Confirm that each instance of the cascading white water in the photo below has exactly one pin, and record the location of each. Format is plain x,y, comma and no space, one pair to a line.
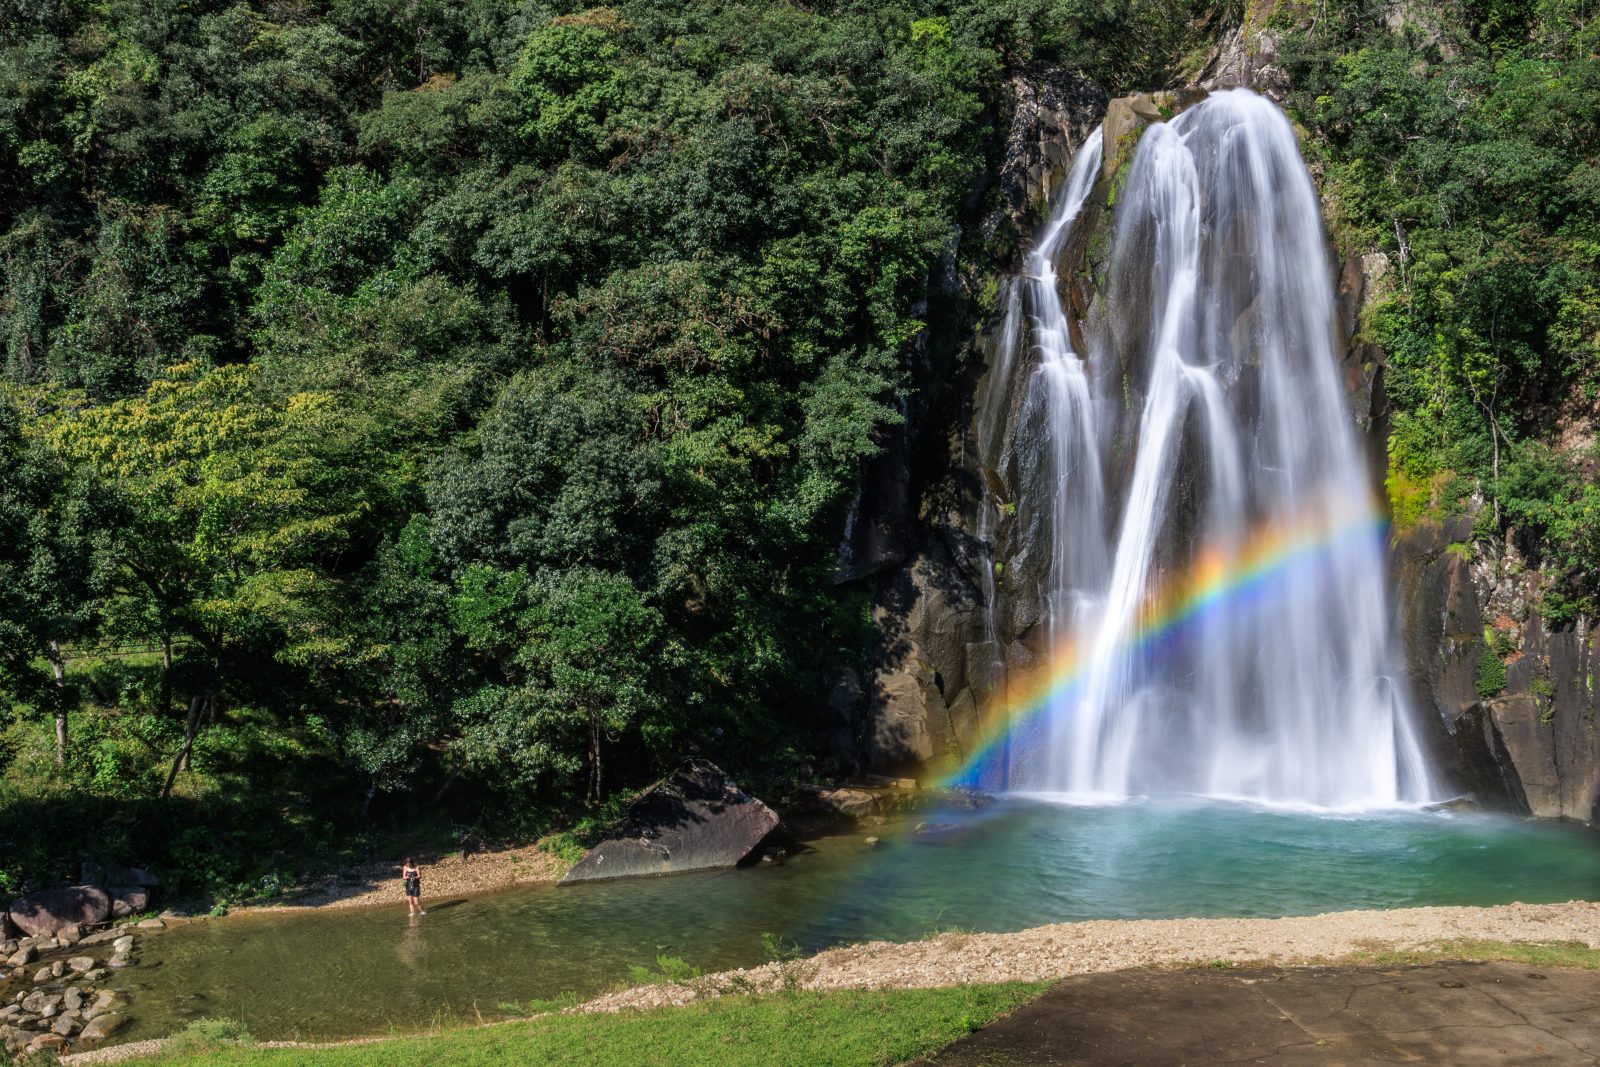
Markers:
1206,425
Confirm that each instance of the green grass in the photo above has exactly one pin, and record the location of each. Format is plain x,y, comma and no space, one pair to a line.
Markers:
1533,953
843,1028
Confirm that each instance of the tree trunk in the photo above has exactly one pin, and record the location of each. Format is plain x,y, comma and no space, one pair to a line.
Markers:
196,703
58,668
449,781
165,708
594,758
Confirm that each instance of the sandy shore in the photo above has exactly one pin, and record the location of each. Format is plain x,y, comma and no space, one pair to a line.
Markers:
1065,949
449,875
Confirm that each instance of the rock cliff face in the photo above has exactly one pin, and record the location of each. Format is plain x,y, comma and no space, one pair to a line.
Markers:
959,585
1528,743
940,648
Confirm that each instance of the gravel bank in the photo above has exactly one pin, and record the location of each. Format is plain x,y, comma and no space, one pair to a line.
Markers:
1086,947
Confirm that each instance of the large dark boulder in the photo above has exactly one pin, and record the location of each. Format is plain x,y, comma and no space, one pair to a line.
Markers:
694,820
128,900
51,910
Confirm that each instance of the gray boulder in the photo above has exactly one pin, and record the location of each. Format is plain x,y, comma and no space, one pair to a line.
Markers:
52,910
128,900
103,1026
694,820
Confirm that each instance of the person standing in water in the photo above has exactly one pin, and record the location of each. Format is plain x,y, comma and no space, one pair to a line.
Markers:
413,880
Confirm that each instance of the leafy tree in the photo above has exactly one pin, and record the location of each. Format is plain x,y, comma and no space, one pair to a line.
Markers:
50,521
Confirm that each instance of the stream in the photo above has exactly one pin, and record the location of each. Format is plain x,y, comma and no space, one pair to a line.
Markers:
1021,862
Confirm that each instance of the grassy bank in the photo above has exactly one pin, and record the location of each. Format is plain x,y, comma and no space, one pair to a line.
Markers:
1574,954
845,1028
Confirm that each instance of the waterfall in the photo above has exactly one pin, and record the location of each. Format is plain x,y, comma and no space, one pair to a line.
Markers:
1205,432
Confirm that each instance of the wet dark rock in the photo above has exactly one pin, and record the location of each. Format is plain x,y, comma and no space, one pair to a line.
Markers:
53,910
1532,747
128,900
1053,110
693,820
843,803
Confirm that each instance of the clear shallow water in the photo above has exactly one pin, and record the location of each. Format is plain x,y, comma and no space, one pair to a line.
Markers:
1020,863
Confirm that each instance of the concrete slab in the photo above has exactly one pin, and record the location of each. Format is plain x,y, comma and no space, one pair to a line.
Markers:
1456,1014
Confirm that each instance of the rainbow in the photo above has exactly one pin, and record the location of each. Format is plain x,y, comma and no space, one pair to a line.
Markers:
1219,580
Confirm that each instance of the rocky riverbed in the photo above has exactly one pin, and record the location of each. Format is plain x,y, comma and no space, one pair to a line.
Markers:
59,994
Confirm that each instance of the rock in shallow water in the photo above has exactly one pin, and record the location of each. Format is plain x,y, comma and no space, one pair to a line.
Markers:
694,820
103,1026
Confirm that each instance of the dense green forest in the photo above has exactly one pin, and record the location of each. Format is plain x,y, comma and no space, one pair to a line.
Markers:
1463,141
448,411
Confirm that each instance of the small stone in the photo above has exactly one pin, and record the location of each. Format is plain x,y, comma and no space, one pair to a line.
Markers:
35,1002
152,924
22,956
99,974
8,946
81,964
120,961
123,944
47,1043
49,972
107,1001
72,999
870,842
10,1010
67,1025
103,1026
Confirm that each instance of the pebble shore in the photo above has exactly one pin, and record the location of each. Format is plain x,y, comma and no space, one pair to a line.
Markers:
1109,945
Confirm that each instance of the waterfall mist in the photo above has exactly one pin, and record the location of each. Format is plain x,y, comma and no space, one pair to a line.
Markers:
1205,414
